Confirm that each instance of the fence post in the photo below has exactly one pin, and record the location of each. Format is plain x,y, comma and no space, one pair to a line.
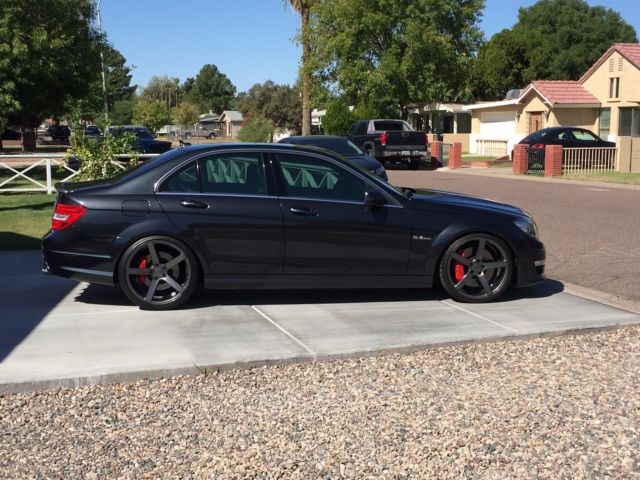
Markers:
520,159
49,182
455,155
553,161
436,151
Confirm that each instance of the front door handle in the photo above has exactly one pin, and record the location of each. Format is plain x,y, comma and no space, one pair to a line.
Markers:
194,204
307,212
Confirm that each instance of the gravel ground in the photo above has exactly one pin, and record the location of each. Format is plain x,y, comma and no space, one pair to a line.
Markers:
562,407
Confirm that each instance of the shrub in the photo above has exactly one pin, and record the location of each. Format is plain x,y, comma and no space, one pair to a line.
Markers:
338,119
258,129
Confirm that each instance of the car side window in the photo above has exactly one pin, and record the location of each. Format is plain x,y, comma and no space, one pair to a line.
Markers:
584,136
565,135
233,173
315,178
183,181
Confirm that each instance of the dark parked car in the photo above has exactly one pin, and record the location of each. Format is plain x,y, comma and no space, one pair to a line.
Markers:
92,132
341,146
146,143
568,137
9,134
60,133
280,216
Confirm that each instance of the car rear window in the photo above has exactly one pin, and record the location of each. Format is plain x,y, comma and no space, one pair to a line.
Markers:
380,126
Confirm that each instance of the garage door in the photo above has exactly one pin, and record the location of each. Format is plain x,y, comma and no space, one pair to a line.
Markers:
497,125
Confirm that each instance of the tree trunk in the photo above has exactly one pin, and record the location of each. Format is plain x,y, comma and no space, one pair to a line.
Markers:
28,139
306,76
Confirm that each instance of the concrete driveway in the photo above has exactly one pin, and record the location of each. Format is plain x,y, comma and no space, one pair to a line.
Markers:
55,332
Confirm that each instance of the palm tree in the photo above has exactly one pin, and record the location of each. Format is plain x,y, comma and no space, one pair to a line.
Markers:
303,7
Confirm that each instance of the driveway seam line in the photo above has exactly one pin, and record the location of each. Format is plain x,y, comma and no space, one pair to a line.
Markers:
283,330
481,317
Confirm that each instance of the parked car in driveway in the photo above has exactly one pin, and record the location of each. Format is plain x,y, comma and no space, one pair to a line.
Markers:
59,133
230,216
145,141
341,146
92,132
9,134
568,137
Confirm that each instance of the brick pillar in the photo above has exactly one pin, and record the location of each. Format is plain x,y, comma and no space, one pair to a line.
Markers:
436,151
455,155
553,160
520,159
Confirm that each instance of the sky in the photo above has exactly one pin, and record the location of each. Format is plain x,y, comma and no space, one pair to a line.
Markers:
250,41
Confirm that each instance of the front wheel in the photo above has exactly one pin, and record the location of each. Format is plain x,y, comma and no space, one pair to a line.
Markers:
476,268
158,273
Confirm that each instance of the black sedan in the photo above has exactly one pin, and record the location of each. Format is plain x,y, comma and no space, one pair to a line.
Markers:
568,137
341,146
280,216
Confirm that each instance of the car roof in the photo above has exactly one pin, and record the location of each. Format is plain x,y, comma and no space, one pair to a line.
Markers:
305,138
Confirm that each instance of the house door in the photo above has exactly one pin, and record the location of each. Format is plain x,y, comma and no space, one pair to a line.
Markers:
535,121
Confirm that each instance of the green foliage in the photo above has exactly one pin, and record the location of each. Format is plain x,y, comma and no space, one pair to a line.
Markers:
99,158
553,39
186,114
162,89
122,112
278,103
258,129
211,90
52,49
152,114
387,54
338,119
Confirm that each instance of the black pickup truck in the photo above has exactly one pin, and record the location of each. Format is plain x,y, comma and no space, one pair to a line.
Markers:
390,141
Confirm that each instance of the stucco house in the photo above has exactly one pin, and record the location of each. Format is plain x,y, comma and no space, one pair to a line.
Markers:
606,100
232,122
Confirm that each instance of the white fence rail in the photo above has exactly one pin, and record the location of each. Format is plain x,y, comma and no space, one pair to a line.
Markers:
589,160
37,173
492,148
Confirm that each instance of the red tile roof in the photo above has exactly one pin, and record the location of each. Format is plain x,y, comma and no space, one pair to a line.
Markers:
564,92
630,51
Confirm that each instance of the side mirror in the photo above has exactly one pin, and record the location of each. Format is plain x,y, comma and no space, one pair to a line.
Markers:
373,198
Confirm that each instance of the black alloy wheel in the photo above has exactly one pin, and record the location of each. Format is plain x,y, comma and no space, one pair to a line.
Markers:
476,268
158,273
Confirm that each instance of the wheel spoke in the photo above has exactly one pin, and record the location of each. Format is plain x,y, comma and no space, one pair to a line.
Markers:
460,259
154,254
177,287
485,284
152,289
463,281
174,261
480,248
138,271
497,264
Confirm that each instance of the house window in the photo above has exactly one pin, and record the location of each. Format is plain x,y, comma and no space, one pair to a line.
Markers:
605,123
614,87
629,122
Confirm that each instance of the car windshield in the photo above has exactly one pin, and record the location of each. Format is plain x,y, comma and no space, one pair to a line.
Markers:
340,146
140,132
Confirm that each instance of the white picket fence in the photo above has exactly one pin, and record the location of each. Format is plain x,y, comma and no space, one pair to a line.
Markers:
589,160
492,148
24,167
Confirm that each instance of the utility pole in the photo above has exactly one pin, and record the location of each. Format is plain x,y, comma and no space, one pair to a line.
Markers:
104,80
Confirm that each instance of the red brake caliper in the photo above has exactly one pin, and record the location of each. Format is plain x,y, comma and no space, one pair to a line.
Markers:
143,264
458,269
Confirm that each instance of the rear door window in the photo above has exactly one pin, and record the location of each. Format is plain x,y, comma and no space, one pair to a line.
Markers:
233,173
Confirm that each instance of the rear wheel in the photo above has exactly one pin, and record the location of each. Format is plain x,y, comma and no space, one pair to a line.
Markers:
158,273
476,268
414,164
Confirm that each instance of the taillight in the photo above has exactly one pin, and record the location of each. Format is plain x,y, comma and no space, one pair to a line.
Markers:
538,145
383,138
65,215
426,139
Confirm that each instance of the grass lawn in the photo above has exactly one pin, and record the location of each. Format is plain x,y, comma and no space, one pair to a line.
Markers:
24,219
628,178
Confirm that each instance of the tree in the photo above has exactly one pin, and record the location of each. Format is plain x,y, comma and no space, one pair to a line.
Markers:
338,119
386,55
122,112
553,39
186,114
303,7
152,114
211,90
278,103
258,129
52,48
162,89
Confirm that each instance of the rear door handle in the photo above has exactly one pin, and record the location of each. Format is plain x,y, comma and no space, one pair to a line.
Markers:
307,212
194,204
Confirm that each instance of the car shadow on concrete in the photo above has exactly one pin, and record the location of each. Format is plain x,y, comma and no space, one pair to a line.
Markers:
110,296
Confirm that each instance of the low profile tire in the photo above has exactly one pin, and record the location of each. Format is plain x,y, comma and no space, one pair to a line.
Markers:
476,268
158,273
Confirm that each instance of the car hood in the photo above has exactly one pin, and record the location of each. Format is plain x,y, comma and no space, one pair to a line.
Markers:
365,161
430,199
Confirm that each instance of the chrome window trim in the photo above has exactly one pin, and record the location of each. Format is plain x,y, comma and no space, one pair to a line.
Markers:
205,194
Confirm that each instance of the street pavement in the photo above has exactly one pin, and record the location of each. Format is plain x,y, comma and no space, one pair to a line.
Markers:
591,230
56,332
